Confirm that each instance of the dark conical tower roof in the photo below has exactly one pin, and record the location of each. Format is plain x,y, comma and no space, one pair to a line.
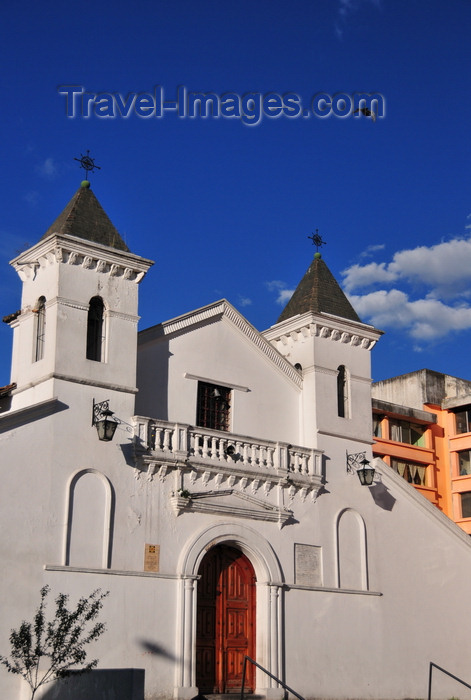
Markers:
319,292
84,217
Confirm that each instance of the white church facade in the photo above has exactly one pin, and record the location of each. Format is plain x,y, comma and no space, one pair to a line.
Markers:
225,516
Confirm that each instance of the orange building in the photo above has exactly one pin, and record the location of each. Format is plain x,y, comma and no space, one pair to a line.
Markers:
422,429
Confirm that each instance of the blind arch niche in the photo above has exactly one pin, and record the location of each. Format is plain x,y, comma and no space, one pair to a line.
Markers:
89,507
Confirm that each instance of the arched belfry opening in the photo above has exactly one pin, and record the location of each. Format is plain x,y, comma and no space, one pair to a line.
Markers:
40,329
342,392
95,329
225,621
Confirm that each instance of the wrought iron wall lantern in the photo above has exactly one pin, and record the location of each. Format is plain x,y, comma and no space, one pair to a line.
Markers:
358,463
102,419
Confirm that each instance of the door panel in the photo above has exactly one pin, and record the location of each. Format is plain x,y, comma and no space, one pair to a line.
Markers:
225,621
206,626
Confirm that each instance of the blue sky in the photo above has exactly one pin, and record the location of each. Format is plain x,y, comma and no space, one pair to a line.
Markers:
225,208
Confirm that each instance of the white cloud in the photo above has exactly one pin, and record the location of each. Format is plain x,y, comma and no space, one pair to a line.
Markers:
47,168
444,268
244,301
345,9
423,291
423,319
441,272
284,294
368,252
31,197
365,275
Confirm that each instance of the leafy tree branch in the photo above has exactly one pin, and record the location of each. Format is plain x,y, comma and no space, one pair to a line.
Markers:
43,650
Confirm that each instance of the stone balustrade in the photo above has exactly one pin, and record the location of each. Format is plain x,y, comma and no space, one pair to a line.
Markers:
176,442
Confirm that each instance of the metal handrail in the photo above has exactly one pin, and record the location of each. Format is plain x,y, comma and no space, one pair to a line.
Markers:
432,665
286,687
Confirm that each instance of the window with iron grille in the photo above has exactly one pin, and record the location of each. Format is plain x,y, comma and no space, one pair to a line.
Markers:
213,409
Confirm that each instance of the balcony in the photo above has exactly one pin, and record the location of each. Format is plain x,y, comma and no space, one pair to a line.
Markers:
225,463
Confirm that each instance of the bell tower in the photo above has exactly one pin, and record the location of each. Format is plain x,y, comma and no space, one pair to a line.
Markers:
320,333
77,326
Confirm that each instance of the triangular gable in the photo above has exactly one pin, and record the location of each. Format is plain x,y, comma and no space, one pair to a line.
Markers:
222,310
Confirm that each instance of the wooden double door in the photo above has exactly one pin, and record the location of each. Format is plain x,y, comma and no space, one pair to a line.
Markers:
225,627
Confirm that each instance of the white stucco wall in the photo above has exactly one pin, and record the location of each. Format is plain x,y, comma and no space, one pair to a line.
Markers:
391,587
417,561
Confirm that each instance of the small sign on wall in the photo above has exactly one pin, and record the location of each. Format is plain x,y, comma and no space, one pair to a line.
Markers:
307,565
151,557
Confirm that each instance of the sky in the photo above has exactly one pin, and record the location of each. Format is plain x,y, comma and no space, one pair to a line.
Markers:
225,204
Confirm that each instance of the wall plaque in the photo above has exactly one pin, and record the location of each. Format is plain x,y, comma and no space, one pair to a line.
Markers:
151,557
307,565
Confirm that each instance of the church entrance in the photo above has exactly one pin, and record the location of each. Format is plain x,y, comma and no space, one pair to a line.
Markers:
225,627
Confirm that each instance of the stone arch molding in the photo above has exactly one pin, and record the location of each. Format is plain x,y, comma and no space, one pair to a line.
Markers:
101,529
249,541
351,549
269,578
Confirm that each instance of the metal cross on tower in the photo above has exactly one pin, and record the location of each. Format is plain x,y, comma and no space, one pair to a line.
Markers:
87,163
317,240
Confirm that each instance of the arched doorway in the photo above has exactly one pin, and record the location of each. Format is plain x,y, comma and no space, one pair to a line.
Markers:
225,621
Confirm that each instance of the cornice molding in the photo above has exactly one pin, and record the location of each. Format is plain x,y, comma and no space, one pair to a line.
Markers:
62,301
76,380
211,380
69,250
122,316
344,436
310,325
28,414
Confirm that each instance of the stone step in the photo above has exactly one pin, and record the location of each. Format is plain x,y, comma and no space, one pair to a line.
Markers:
229,696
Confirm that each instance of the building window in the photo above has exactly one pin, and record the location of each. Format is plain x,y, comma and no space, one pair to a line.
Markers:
342,392
213,409
464,461
466,504
463,420
377,426
410,471
95,329
40,329
410,433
